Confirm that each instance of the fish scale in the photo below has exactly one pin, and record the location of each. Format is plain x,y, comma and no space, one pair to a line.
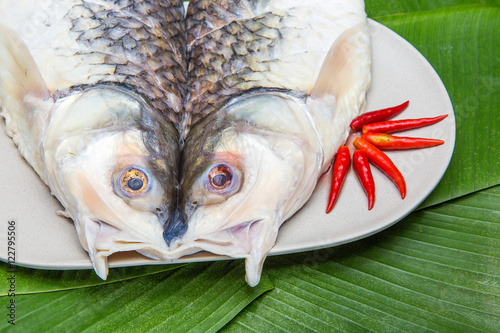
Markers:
150,40
250,48
205,16
136,43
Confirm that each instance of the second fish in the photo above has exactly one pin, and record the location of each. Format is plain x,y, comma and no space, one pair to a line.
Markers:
273,87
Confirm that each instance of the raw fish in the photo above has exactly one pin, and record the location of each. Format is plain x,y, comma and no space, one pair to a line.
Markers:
272,88
92,92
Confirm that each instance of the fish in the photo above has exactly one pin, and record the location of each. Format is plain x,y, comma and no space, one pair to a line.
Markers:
92,93
272,88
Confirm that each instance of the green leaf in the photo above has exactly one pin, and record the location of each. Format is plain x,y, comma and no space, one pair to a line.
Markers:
438,269
377,9
462,44
30,281
200,297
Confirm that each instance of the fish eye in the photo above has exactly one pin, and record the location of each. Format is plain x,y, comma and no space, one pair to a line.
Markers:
221,178
133,181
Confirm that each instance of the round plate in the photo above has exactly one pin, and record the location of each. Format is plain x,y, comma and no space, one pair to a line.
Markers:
399,73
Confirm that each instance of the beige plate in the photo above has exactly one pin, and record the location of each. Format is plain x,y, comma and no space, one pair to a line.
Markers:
400,73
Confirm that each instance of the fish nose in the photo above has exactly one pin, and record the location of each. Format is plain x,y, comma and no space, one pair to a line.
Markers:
176,227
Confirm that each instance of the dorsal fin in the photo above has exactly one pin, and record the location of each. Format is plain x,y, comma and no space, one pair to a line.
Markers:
24,99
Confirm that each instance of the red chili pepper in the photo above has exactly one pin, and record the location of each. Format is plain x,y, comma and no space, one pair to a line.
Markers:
383,162
364,172
388,142
340,167
375,116
401,125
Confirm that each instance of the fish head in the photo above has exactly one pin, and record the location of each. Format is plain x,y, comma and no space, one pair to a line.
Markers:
245,169
112,161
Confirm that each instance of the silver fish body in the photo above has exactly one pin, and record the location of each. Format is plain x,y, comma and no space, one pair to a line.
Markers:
92,92
273,86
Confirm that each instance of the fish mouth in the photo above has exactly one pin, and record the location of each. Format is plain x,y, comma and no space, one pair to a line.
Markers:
251,240
177,236
101,239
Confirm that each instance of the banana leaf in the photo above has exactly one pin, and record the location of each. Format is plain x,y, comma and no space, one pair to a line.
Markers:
201,297
436,270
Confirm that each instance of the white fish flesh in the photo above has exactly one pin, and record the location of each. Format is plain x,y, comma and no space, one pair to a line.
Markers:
272,88
92,92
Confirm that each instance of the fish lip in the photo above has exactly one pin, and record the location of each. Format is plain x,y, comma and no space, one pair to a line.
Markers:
180,243
233,230
114,237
